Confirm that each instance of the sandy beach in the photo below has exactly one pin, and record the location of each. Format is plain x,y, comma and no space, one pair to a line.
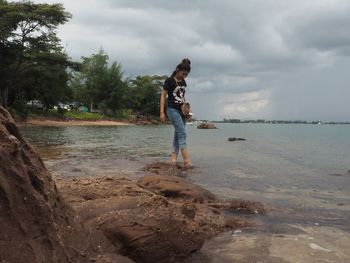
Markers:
55,123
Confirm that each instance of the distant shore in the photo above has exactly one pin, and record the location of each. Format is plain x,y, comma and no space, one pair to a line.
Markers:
55,123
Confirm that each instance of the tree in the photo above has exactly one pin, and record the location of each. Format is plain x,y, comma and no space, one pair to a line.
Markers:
28,34
113,96
51,80
105,87
145,93
99,85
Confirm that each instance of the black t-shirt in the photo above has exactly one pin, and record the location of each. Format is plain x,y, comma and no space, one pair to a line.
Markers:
176,92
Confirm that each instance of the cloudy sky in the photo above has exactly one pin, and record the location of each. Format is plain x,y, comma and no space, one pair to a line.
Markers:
267,59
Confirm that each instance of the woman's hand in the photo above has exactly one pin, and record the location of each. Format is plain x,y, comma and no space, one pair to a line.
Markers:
162,117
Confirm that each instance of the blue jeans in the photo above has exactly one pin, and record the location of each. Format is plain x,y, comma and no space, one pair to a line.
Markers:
179,124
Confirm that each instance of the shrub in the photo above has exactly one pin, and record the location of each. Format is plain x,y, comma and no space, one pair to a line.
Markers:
20,108
87,116
123,114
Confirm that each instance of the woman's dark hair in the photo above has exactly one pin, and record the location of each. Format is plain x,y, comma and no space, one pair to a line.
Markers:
184,65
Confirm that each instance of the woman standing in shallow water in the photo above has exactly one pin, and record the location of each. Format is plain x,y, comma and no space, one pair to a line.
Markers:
174,87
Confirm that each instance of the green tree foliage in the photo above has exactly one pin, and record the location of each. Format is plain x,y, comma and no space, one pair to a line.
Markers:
98,84
145,93
51,80
30,52
114,95
33,65
94,76
104,87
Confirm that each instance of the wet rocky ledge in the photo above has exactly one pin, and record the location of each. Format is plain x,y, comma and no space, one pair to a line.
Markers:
159,218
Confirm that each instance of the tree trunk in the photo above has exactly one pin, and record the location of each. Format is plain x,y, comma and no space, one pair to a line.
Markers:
5,97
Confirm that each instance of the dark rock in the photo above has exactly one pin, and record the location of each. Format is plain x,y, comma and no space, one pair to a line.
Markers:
233,139
189,210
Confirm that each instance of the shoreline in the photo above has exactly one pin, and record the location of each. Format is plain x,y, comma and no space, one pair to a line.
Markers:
64,123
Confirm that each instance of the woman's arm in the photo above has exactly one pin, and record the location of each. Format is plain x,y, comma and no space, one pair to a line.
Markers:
162,103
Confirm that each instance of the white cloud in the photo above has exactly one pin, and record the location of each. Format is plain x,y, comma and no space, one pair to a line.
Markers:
245,104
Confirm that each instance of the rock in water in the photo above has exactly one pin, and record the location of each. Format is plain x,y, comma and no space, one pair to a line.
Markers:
233,139
36,224
206,126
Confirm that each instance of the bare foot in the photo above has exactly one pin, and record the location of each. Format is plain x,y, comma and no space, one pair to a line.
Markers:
173,158
188,165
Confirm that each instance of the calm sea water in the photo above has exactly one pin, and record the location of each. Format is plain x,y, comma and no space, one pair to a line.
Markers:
274,156
305,168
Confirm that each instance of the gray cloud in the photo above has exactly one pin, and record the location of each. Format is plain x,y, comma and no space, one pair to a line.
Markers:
243,101
278,59
325,30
